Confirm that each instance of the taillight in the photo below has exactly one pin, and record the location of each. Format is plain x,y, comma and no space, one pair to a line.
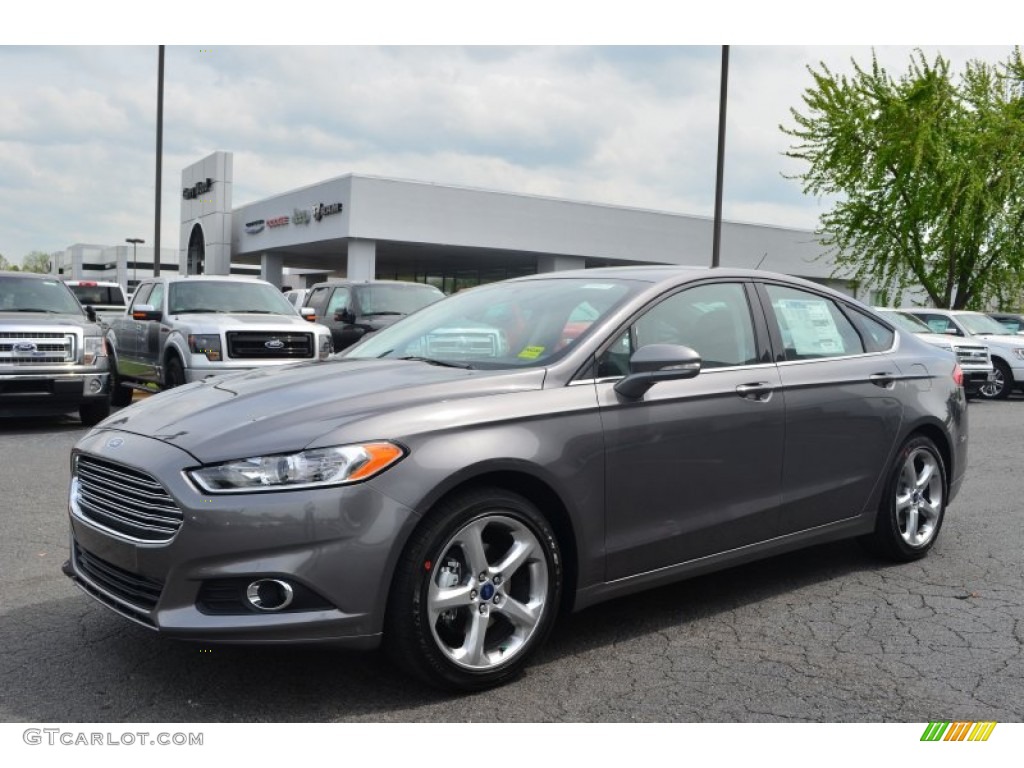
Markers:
958,375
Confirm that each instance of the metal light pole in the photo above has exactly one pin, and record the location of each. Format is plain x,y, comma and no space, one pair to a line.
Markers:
716,246
159,157
135,262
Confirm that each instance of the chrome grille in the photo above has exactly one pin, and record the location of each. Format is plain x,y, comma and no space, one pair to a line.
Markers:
449,344
972,355
270,345
124,500
130,589
36,348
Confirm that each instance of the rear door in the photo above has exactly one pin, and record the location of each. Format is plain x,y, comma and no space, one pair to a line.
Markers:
842,408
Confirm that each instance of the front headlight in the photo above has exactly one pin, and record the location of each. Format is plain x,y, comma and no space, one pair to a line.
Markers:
95,347
313,468
326,346
205,344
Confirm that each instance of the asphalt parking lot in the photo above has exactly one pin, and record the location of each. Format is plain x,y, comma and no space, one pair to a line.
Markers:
828,634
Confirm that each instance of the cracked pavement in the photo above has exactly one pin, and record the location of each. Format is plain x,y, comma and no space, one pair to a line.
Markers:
827,634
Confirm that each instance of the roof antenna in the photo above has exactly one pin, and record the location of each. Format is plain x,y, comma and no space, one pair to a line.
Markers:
762,260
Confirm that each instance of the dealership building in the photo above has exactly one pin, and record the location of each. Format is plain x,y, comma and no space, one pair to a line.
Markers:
365,227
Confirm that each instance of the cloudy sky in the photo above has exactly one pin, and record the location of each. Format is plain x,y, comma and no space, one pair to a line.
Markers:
632,125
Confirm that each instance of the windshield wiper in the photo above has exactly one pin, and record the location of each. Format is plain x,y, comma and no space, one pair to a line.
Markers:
433,361
376,314
34,309
198,310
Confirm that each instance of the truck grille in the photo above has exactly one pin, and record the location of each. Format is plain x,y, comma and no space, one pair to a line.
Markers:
137,592
972,355
36,348
124,500
268,345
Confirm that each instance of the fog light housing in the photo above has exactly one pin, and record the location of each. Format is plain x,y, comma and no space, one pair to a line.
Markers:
95,386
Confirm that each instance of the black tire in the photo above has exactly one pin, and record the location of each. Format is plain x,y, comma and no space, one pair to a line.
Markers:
119,396
454,648
1000,388
174,374
913,505
94,412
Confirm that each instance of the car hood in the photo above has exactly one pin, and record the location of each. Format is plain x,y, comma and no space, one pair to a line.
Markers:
276,410
40,319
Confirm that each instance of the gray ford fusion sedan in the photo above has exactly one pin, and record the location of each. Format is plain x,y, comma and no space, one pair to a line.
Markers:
452,483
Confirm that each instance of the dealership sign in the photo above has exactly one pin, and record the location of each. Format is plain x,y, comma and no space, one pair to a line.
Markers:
323,209
197,189
254,227
300,216
277,221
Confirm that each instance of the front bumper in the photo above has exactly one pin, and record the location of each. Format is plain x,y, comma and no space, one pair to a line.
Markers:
40,392
338,544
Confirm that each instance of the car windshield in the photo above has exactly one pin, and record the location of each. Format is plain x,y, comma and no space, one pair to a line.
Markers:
905,321
396,299
981,324
227,296
25,294
515,324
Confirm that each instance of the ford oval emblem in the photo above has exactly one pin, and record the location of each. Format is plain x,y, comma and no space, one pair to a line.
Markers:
115,442
274,344
24,346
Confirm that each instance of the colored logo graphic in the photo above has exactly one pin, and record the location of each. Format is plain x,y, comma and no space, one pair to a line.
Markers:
959,731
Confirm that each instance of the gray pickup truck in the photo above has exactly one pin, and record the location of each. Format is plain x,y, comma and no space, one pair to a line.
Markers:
183,329
52,356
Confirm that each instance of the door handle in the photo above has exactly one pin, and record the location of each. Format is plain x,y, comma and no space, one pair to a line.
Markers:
761,391
884,380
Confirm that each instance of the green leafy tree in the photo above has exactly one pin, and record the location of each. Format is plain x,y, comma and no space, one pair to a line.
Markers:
37,261
928,173
5,265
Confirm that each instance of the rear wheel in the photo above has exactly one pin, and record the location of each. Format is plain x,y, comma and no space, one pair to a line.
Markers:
1001,384
476,592
914,503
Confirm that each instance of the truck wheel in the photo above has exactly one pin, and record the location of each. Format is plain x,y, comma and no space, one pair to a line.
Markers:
93,413
119,395
174,376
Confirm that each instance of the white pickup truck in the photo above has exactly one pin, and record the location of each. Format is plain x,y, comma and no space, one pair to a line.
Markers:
183,329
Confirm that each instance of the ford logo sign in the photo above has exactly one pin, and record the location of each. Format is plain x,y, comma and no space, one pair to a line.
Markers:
274,344
25,346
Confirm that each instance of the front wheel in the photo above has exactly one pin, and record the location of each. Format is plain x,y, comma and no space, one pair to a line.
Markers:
174,376
912,509
1001,384
92,413
476,592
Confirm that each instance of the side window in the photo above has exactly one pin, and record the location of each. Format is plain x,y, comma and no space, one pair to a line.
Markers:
318,299
156,298
877,338
338,302
940,324
141,295
714,320
812,326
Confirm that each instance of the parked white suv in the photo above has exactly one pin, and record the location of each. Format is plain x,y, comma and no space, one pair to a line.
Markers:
184,329
973,356
1006,348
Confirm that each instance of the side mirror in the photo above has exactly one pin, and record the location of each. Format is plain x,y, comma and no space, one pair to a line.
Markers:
657,362
90,312
346,316
308,313
146,312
